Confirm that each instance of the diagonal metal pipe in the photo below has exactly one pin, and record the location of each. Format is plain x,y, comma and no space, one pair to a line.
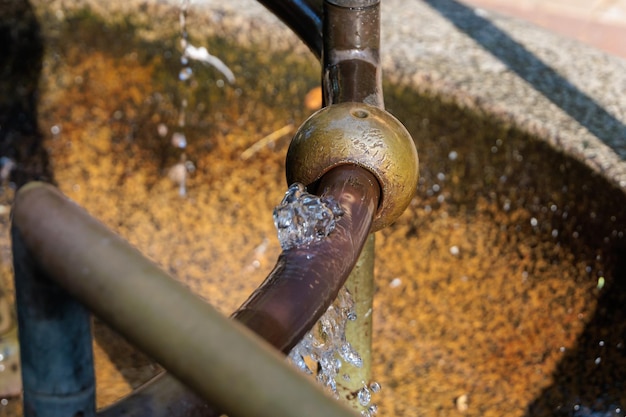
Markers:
217,358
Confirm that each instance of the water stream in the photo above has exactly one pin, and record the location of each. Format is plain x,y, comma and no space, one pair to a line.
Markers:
324,352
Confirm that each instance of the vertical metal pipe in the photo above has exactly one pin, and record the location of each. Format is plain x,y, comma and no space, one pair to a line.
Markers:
359,332
352,73
351,56
55,343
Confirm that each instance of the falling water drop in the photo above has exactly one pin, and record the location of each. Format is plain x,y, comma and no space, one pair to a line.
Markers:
364,396
185,74
179,140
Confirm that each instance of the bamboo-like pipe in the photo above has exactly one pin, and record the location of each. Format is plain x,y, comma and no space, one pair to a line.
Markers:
306,279
217,358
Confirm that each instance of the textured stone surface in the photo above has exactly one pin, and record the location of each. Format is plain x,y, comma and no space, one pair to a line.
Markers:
495,265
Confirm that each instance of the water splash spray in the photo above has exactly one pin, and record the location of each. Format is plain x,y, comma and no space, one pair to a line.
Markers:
302,218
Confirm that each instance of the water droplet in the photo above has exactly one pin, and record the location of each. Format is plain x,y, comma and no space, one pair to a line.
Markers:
55,130
350,355
453,155
375,387
454,251
185,74
364,396
598,360
534,222
179,140
189,166
162,129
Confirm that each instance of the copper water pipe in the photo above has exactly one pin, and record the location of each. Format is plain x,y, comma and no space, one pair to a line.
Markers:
307,279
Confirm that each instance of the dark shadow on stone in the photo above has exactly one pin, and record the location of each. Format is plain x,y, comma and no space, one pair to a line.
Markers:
22,155
584,109
590,380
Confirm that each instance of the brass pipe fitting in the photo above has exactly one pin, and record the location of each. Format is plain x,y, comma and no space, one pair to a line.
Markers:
363,135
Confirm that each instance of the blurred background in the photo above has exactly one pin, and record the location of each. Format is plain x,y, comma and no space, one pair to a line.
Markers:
600,23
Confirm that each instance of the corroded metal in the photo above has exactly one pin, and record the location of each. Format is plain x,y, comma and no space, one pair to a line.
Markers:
306,279
362,135
55,342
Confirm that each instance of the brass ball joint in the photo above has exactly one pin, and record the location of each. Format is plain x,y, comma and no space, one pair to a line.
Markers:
360,134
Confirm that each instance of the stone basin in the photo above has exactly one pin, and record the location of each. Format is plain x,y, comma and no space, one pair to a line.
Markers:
500,291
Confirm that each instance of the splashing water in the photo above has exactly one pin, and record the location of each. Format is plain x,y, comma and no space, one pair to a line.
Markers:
303,218
179,172
326,344
325,348
201,54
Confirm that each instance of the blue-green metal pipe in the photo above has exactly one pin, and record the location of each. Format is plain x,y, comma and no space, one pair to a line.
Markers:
55,343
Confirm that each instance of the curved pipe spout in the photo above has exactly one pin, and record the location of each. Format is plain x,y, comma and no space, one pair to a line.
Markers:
307,279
